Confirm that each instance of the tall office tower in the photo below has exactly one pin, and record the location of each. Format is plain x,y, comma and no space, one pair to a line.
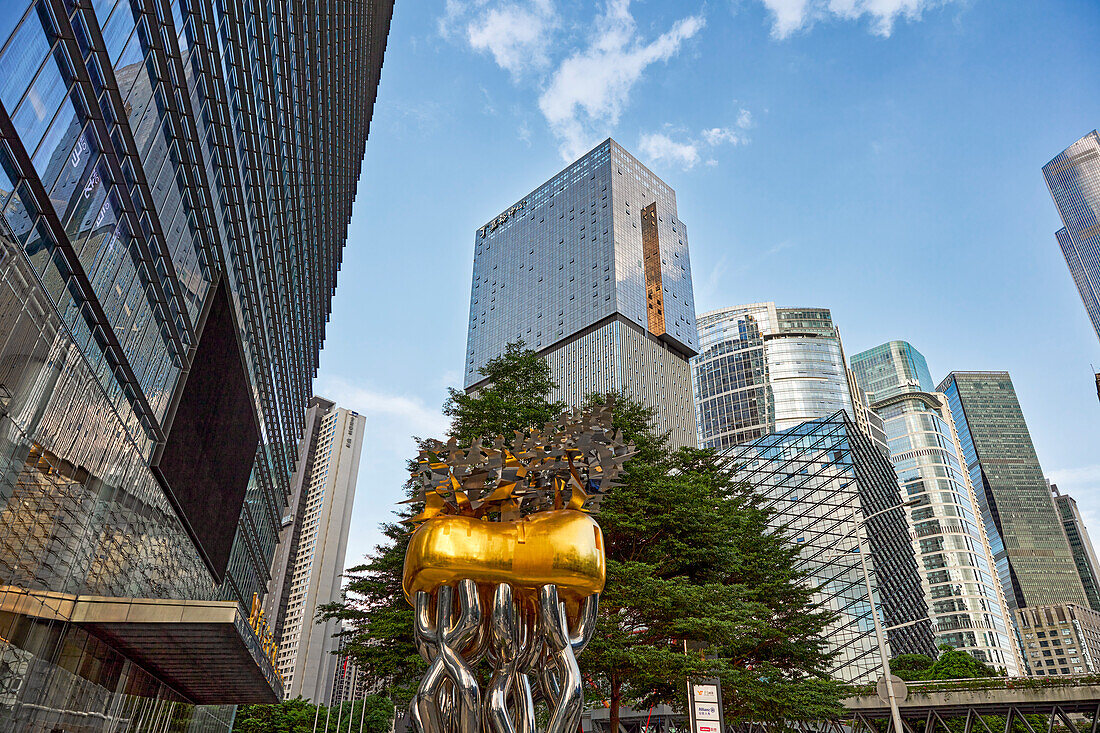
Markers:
1060,640
966,602
1074,181
175,186
763,369
1080,545
309,566
591,270
1029,545
822,479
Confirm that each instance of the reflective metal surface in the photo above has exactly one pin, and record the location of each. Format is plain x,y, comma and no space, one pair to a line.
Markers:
539,575
564,548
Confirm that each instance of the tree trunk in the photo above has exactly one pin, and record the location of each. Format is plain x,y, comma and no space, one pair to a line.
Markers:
613,706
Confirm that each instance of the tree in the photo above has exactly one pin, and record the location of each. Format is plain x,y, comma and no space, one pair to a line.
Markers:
951,664
378,621
700,584
298,716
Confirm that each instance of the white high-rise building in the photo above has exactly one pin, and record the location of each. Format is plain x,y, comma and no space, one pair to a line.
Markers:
309,562
591,271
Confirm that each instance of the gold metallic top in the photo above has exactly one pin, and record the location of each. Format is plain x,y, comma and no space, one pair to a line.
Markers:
563,547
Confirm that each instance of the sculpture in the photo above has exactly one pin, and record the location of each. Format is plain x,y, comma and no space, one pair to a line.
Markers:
506,566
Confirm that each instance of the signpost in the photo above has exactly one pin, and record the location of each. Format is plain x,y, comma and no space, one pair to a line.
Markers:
705,706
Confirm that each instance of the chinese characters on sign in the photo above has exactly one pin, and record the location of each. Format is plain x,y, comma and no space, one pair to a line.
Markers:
491,226
705,706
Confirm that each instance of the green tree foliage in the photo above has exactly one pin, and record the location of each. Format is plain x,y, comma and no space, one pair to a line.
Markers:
515,398
951,664
378,621
698,584
374,714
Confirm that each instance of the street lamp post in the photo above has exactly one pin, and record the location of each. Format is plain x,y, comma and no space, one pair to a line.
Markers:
880,637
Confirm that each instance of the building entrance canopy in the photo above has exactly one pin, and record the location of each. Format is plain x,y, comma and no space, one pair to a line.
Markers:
205,650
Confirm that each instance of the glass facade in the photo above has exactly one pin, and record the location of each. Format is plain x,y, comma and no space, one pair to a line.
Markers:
763,369
168,171
1084,556
821,479
1029,545
1074,181
594,259
965,600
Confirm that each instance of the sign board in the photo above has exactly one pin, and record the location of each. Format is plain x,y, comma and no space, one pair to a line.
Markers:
705,706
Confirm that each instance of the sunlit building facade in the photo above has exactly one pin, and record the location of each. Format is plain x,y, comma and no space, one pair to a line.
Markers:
1033,557
1073,178
309,563
965,600
591,270
176,180
822,479
762,369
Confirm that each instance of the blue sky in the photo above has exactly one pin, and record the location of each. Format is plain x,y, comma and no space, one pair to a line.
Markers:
877,157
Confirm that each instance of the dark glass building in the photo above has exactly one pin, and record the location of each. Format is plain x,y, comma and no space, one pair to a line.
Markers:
823,479
1084,556
1073,178
1029,545
176,180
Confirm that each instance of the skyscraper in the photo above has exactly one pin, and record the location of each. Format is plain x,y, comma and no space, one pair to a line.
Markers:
591,270
1029,545
1084,556
965,600
175,187
822,478
763,369
1074,181
309,563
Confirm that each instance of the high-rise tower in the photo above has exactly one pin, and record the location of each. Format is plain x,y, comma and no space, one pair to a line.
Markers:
965,600
836,494
591,270
1084,556
309,563
762,369
1033,557
1074,181
176,180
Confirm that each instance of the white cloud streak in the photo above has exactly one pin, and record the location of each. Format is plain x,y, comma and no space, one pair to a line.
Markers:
587,92
791,16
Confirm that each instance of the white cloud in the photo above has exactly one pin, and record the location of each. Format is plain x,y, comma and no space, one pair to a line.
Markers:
789,16
663,148
660,148
719,135
516,34
588,90
394,417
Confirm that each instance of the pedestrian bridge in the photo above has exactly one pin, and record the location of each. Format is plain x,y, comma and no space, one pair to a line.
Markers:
988,705
1070,702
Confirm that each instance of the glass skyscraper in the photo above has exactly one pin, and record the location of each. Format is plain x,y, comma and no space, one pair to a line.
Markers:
762,369
1029,545
1074,181
176,180
965,600
591,270
822,478
1080,545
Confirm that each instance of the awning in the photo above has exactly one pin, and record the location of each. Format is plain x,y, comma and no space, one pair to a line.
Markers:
205,650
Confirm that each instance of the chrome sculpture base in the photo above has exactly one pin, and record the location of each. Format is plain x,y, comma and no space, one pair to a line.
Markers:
521,637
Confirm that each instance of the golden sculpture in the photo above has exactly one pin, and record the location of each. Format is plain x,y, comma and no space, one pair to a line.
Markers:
506,527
